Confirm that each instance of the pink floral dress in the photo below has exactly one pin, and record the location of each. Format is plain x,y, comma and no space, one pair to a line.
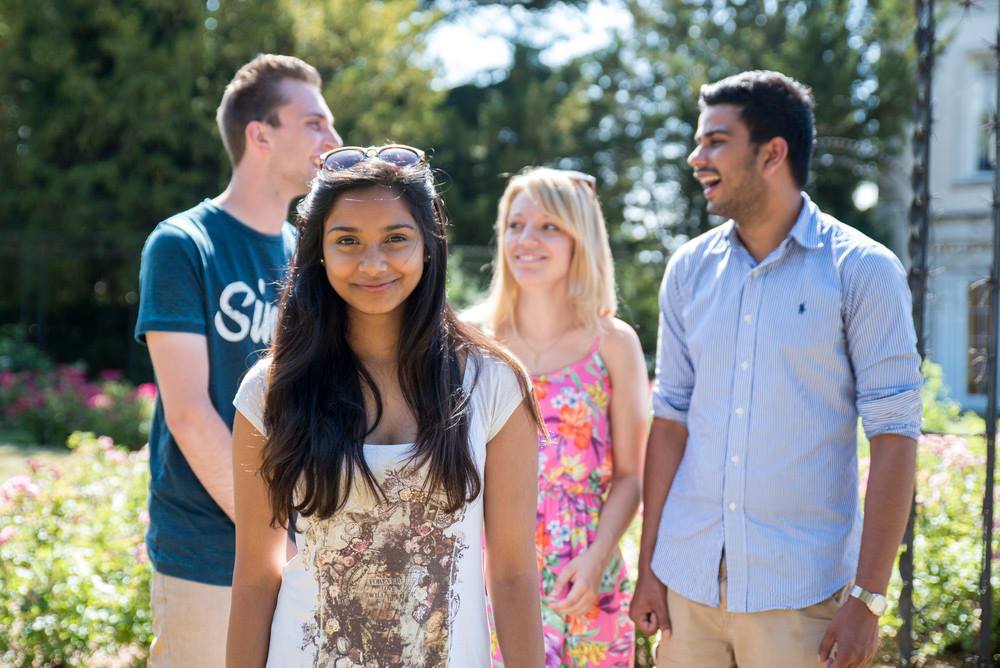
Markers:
574,473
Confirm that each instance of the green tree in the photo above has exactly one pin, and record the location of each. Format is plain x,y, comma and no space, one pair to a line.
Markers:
107,119
107,126
855,56
532,116
374,62
627,114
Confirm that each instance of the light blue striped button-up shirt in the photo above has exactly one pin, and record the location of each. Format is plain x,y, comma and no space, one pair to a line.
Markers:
769,366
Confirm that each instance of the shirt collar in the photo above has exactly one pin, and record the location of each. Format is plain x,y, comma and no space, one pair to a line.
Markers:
805,231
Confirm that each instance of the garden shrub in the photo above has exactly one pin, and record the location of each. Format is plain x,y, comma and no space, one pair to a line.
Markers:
18,354
948,545
49,405
74,577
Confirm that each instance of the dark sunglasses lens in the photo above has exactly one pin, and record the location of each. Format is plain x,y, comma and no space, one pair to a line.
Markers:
403,157
343,159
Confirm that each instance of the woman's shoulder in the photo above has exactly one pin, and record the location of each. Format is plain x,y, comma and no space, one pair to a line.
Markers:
257,374
498,386
619,342
251,394
617,334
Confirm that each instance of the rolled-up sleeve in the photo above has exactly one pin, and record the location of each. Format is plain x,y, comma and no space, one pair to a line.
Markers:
882,344
674,379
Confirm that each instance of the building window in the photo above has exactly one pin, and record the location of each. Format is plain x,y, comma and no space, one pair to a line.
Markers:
978,314
985,94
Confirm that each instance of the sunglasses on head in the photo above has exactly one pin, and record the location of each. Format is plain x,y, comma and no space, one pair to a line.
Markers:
346,157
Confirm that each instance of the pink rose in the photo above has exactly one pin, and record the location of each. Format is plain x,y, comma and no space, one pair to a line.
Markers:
146,391
99,400
8,379
17,486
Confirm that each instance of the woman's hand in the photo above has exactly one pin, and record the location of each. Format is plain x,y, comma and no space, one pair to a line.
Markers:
583,576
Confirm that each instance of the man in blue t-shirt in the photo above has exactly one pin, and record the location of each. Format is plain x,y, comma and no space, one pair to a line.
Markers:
208,283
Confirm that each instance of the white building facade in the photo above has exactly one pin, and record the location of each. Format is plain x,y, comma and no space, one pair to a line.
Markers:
961,174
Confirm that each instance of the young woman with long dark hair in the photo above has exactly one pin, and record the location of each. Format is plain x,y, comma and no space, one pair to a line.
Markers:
390,435
552,302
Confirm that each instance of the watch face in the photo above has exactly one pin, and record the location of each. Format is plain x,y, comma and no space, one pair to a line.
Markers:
878,604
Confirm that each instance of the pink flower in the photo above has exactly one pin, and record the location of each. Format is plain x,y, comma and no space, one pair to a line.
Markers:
17,486
139,553
71,372
146,391
99,400
7,533
106,443
110,375
8,379
144,517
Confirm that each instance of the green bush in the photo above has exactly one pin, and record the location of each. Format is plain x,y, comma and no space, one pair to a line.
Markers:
948,543
18,354
74,577
49,405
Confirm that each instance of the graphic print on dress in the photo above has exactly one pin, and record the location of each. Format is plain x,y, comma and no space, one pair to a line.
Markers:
386,597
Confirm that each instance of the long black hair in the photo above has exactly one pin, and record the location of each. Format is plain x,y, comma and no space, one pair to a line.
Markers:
315,413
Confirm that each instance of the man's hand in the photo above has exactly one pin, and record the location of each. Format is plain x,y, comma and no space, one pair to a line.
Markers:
649,605
854,631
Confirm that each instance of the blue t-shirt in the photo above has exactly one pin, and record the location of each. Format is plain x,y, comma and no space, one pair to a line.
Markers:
204,272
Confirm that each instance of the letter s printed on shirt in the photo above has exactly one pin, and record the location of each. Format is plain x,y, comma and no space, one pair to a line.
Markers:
260,328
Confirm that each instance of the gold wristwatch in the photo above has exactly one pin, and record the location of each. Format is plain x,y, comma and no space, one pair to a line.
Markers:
874,602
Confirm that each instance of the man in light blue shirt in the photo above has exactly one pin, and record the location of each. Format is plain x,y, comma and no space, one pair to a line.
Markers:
778,329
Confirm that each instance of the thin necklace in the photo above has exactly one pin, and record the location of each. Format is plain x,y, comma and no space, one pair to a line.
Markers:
538,354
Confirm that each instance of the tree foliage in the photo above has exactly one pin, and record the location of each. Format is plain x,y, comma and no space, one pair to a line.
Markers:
627,115
106,123
107,126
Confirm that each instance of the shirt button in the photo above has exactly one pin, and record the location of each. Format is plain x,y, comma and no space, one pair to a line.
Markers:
747,318
755,273
735,459
739,411
732,506
744,365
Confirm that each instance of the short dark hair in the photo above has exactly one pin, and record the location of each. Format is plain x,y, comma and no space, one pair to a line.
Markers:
772,105
254,94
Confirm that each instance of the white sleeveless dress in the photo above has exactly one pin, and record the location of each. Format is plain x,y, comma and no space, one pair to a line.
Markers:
395,582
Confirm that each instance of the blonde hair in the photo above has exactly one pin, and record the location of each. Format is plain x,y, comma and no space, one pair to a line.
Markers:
570,198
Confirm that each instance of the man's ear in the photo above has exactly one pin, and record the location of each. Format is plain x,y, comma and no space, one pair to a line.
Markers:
258,134
772,155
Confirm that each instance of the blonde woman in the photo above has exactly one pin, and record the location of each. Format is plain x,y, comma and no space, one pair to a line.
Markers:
552,303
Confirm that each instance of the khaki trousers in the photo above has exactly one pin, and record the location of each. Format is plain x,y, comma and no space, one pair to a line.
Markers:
190,623
707,637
